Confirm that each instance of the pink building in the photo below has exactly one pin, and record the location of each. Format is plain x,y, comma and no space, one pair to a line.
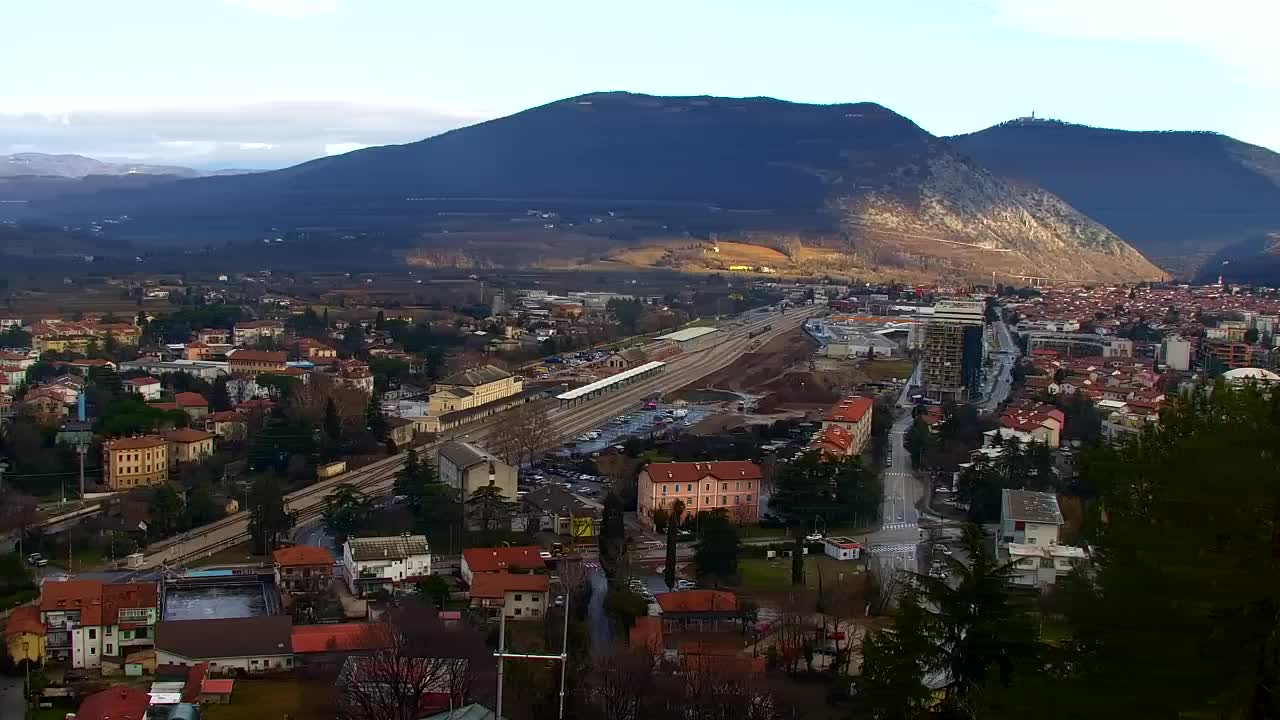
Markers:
733,485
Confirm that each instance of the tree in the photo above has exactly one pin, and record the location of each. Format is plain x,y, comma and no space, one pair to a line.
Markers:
797,560
716,556
164,508
1251,336
200,509
434,589
269,520
895,663
375,421
612,539
332,424
489,511
346,510
415,481
219,398
673,529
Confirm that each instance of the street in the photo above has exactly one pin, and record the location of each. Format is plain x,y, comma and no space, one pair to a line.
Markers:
997,386
11,702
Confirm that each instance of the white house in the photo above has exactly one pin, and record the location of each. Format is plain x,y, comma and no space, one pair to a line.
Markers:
87,619
372,563
1029,518
841,548
1041,566
147,387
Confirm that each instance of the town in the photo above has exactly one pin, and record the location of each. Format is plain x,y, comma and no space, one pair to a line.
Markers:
509,496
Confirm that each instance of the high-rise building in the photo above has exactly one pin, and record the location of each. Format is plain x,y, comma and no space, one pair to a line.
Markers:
953,350
1177,353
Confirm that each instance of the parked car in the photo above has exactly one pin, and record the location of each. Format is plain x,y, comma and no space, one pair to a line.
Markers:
813,537
544,555
37,560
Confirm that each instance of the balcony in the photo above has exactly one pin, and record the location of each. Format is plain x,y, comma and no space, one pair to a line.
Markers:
57,641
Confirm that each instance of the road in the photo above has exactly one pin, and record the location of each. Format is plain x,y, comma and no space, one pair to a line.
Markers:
1000,383
11,702
597,618
897,541
377,477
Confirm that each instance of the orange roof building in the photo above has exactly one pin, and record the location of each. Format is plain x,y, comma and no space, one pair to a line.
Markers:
729,485
501,559
853,414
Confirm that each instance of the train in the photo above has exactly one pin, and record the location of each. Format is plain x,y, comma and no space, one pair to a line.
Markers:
760,331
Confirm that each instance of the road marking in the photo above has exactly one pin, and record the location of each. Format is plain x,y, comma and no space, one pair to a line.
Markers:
898,526
892,549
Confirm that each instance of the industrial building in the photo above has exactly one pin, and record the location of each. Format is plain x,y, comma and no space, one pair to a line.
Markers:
953,350
692,339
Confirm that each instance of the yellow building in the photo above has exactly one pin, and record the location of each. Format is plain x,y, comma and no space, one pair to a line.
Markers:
135,462
24,634
188,445
69,343
473,388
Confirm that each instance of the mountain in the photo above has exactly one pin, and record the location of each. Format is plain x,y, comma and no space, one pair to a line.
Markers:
850,187
79,166
1181,198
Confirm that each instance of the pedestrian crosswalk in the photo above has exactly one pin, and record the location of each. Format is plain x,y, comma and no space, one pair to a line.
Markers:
898,526
892,548
591,565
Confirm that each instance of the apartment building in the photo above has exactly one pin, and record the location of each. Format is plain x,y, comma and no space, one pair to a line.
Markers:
249,333
249,363
87,620
519,597
729,485
853,414
188,445
133,462
953,349
467,468
1030,524
303,569
372,563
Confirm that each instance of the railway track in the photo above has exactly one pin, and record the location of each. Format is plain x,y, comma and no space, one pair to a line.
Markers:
378,476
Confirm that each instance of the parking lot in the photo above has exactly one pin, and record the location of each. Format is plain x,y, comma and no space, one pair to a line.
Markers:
657,419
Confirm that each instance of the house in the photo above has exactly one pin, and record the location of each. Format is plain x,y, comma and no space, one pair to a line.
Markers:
699,611
626,359
251,332
251,363
854,415
147,387
477,561
135,462
467,468
303,569
833,441
24,635
330,645
227,425
45,405
1029,518
518,596
213,336
229,645
399,431
87,619
473,388
556,510
315,351
1043,422
188,445
353,374
119,702
193,404
730,485
1040,566
377,563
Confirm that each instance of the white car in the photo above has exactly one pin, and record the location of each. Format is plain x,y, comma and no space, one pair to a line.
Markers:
544,555
813,537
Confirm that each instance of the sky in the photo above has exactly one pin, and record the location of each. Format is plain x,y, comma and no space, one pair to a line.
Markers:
269,83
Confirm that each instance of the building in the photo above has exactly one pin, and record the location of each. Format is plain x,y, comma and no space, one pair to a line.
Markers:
204,370
729,485
555,510
1029,518
188,445
1232,355
477,561
699,611
1043,423
1041,566
303,569
135,462
377,563
119,702
626,359
250,333
147,387
249,363
841,548
1245,376
953,349
519,597
193,404
692,339
400,431
227,425
229,645
467,468
860,345
24,635
353,374
1176,352
87,620
329,645
854,415
833,441
473,388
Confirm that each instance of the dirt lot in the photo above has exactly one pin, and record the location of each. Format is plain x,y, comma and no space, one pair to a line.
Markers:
753,370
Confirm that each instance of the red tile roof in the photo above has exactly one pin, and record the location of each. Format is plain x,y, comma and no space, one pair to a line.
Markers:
187,435
697,601
495,585
141,442
833,438
143,381
225,416
24,619
302,555
851,410
190,399
489,560
343,637
271,356
195,679
216,686
694,471
82,595
123,596
116,703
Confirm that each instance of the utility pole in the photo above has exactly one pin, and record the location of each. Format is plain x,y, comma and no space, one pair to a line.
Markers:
502,655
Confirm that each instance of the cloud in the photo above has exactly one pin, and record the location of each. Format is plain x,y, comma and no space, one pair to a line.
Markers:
1239,34
287,8
284,133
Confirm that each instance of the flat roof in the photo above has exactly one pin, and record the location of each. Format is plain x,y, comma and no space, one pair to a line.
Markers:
609,381
687,334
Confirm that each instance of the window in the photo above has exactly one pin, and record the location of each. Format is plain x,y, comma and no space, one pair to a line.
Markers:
140,634
724,499
93,651
724,486
708,501
748,484
93,633
1019,525
1046,563
737,499
534,598
1031,541
664,489
535,612
517,613
708,488
690,487
748,499
737,485
110,649
519,597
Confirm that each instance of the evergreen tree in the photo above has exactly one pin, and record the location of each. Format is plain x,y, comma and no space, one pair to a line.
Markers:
346,510
332,423
269,521
612,540
220,398
716,556
375,421
164,509
673,530
490,511
797,560
896,663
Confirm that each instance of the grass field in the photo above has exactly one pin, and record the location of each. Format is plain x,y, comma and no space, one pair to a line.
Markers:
760,575
273,700
884,370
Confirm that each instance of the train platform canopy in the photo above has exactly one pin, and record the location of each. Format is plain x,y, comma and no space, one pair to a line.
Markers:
687,334
610,381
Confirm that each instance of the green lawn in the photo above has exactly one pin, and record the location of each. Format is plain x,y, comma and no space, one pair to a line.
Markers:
761,574
755,531
273,700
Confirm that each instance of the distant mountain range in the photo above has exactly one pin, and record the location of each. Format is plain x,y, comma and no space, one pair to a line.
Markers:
79,166
848,188
1186,200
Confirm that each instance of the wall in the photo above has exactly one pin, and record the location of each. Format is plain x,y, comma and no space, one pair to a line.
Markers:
530,605
226,666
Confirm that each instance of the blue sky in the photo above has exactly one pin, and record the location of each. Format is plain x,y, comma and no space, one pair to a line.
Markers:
266,83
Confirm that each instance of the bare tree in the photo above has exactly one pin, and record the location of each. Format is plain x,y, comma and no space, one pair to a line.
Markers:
531,430
413,663
883,584
622,682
